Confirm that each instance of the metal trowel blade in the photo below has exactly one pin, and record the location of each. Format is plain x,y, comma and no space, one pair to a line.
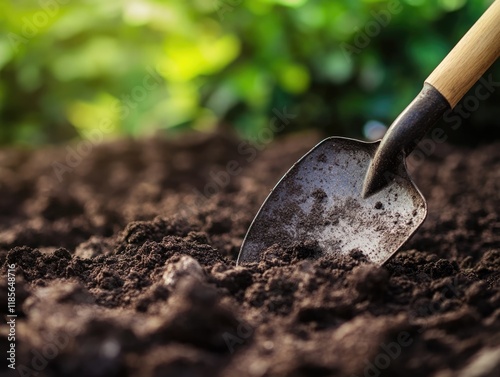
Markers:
320,199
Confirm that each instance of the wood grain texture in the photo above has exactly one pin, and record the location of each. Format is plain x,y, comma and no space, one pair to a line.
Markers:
470,58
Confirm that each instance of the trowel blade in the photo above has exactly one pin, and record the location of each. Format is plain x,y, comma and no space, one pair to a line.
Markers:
319,199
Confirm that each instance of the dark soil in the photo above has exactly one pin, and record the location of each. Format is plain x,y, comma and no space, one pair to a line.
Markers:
127,268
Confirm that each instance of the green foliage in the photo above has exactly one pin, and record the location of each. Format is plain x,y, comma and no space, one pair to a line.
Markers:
140,66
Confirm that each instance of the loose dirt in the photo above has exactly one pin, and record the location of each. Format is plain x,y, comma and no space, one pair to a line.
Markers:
126,267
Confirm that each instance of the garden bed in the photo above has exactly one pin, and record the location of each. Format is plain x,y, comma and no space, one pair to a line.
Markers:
125,265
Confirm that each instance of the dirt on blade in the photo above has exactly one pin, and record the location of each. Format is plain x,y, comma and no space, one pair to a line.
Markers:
127,268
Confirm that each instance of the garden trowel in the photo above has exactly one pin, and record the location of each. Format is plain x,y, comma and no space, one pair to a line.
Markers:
346,196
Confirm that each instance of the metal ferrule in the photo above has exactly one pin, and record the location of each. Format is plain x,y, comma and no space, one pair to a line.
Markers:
403,136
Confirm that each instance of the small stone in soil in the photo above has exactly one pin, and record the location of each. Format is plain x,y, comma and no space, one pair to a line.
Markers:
185,266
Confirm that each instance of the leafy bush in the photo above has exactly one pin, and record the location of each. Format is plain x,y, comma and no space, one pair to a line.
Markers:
141,66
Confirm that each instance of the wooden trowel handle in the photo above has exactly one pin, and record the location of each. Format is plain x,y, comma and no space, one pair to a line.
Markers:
470,58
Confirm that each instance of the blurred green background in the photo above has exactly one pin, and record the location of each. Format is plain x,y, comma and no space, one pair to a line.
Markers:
139,67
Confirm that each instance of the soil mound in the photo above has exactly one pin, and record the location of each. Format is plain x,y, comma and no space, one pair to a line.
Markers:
125,266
